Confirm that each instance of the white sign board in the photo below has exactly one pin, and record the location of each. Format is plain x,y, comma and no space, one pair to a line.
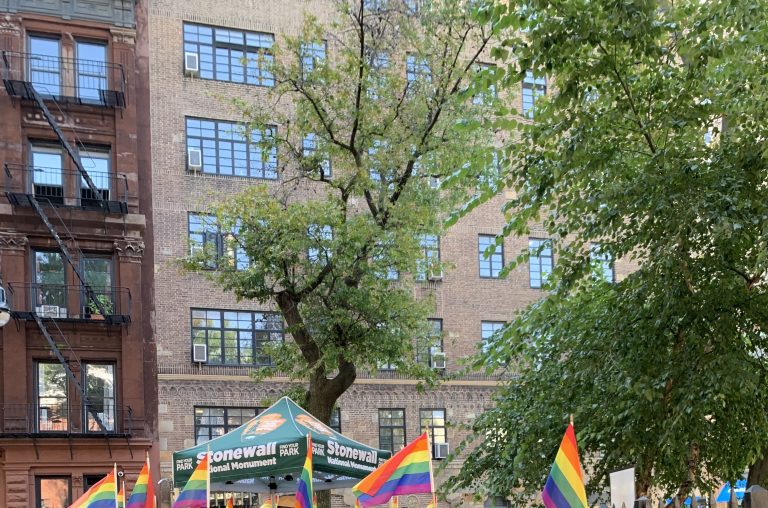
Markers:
623,488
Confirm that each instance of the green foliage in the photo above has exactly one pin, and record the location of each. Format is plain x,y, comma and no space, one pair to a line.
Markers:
322,241
665,369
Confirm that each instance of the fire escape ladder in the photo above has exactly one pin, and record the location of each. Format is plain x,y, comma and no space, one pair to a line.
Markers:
72,153
70,374
91,296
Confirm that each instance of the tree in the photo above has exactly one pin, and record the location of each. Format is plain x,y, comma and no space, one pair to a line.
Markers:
368,126
651,148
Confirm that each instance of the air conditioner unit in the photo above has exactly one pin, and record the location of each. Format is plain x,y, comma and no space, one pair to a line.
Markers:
191,64
440,450
438,360
194,159
199,353
435,276
49,311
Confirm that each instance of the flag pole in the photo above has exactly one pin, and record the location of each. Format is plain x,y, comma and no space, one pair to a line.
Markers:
571,416
114,475
208,483
149,480
431,471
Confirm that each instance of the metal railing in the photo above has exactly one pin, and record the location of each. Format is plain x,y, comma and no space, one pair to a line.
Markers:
75,80
69,301
65,187
59,416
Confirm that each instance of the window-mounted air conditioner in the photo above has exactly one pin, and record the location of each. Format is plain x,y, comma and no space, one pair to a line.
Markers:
194,160
191,64
438,360
440,450
435,276
48,311
199,353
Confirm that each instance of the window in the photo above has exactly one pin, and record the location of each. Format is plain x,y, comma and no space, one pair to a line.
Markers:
488,329
431,344
602,262
226,150
52,402
376,160
540,261
99,381
379,63
391,429
91,69
490,256
48,282
97,164
335,422
412,6
320,235
432,421
98,274
236,337
46,168
429,265
205,236
375,5
533,87
312,53
486,96
309,148
213,422
231,55
417,69
45,65
53,491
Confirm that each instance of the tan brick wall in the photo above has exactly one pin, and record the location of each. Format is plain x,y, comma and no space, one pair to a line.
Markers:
462,299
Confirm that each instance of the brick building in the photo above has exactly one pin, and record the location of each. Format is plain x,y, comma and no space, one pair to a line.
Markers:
78,389
200,400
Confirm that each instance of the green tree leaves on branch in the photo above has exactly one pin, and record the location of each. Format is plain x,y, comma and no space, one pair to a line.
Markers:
652,145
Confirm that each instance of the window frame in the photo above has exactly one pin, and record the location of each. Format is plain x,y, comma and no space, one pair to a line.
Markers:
67,409
336,413
254,330
491,94
481,259
38,487
90,75
431,256
534,86
606,261
30,70
431,428
415,68
263,53
115,413
311,53
237,257
484,341
260,163
391,428
310,145
227,427
430,347
542,278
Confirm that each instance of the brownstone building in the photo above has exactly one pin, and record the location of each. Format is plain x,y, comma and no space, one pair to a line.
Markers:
196,67
78,389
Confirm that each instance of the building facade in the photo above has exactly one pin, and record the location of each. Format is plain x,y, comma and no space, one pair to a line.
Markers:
201,398
78,389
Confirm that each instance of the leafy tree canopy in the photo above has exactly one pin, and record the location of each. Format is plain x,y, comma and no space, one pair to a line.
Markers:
368,112
651,144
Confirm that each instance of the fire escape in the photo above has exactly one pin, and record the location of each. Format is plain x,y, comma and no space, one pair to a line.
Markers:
54,83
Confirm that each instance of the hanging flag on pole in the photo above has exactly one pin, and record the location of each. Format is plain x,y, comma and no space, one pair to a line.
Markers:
101,495
231,502
565,485
409,471
143,495
304,494
196,492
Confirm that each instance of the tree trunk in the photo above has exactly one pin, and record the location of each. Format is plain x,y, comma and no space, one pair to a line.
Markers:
758,471
321,398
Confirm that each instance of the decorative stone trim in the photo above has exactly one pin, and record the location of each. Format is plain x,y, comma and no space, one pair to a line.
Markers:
13,241
129,248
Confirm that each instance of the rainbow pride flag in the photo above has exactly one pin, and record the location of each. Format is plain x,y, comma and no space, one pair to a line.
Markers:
565,485
143,495
121,496
304,497
101,495
195,492
409,471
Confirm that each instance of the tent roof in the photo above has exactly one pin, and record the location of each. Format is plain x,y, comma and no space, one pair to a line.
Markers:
267,454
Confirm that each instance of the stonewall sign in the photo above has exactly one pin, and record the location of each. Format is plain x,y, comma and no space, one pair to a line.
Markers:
269,451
